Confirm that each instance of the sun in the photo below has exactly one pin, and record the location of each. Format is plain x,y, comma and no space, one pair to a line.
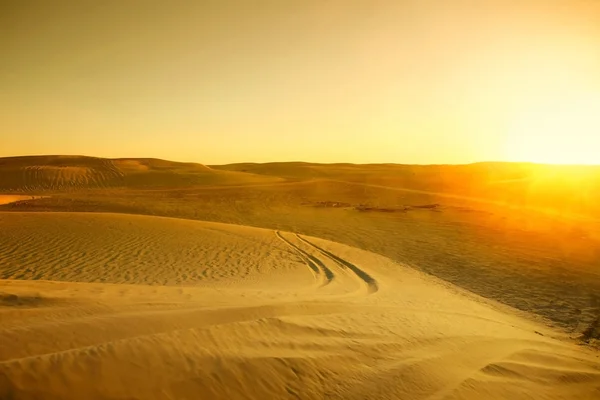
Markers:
566,132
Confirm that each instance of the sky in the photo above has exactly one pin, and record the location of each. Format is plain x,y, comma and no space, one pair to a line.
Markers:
400,81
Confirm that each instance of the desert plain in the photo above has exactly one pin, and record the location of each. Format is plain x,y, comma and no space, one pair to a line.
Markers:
152,279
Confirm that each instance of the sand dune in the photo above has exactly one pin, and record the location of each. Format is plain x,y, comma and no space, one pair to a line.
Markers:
106,306
563,189
556,189
60,173
121,306
537,263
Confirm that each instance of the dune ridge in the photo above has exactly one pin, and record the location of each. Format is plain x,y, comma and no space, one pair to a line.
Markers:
556,189
60,173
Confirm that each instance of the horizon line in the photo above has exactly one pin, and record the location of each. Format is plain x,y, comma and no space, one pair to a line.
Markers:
308,162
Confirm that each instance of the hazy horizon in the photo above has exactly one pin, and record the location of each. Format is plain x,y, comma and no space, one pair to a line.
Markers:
308,162
364,82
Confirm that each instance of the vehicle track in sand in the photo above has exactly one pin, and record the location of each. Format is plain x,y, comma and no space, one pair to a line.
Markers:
322,273
367,280
319,260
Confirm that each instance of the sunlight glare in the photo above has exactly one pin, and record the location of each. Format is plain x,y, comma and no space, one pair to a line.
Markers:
562,133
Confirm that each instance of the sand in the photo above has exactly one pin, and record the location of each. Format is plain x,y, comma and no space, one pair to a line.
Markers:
257,304
114,306
11,198
69,173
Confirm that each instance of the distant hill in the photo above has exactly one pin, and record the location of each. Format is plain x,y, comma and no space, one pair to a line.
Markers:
59,173
467,179
572,189
422,176
557,188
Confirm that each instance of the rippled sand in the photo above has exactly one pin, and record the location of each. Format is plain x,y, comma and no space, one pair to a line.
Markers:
105,306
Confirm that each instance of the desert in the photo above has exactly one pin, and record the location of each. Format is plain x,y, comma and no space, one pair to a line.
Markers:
112,289
300,199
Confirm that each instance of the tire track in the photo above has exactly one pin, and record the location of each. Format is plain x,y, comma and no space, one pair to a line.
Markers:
370,282
323,274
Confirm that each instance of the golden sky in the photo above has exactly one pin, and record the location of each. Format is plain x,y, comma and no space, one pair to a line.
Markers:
420,81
